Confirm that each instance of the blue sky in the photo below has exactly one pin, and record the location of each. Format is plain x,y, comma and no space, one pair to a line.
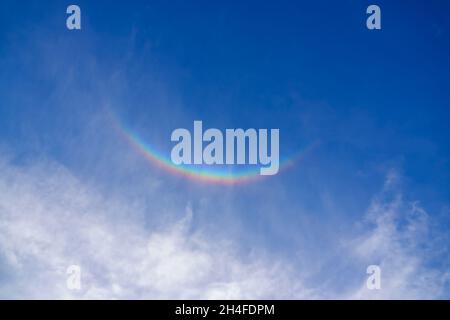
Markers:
371,108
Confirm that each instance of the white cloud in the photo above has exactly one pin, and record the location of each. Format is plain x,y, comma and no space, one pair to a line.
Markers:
397,242
49,220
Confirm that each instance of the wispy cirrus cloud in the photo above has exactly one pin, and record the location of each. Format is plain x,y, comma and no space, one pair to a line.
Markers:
398,240
50,220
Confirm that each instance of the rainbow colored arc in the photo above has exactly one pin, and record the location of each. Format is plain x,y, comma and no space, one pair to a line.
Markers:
199,173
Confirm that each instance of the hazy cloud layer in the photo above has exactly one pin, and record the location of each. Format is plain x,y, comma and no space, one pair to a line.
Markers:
49,220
